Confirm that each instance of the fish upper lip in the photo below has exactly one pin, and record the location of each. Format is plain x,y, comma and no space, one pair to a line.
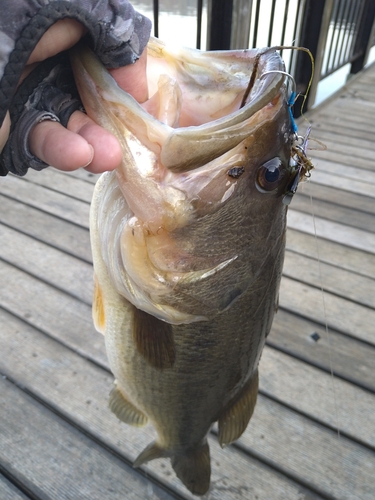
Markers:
215,136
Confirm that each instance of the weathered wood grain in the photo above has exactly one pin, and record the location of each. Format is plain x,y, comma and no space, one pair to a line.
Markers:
325,308
334,280
307,340
330,211
324,123
62,462
310,450
330,194
10,492
53,203
70,238
46,263
355,186
51,311
333,231
62,183
78,390
326,399
345,257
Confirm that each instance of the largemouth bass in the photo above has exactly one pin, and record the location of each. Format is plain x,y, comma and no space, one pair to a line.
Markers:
188,239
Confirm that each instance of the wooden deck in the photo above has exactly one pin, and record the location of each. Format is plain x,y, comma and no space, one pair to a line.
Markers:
58,439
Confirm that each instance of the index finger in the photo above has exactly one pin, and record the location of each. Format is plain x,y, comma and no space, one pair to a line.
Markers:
61,36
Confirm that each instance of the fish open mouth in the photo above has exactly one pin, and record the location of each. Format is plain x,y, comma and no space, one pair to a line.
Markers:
194,113
211,120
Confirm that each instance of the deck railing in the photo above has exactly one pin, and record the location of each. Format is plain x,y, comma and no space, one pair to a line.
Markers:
337,32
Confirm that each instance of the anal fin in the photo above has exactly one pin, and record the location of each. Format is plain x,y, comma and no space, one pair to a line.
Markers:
234,419
153,339
152,452
124,410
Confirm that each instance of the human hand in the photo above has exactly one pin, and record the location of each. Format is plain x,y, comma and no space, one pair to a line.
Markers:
83,143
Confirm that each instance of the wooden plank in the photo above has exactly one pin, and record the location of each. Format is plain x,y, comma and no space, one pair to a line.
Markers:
65,277
330,401
356,420
325,308
78,390
10,492
346,156
355,186
60,183
356,155
338,196
330,211
46,263
333,231
336,117
44,199
57,461
338,142
82,174
58,233
321,125
357,261
356,105
51,311
359,106
304,339
349,172
332,279
283,436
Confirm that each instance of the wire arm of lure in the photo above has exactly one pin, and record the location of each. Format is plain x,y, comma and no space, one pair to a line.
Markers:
292,98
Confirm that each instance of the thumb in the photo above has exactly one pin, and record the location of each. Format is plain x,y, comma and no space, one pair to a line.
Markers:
133,79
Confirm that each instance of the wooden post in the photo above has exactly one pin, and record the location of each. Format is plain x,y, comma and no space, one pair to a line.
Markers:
315,24
365,33
241,20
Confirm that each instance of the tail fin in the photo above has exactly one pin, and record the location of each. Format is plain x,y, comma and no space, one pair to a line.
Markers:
192,467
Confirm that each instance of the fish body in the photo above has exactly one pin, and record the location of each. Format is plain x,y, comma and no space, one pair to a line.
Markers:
188,239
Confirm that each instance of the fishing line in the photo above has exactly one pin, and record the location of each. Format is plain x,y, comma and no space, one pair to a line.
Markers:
300,157
335,403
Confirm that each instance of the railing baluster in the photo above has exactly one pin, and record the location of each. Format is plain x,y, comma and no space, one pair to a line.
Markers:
270,28
256,23
363,40
199,23
156,17
344,27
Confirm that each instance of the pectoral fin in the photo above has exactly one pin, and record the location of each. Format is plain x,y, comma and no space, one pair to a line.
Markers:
124,410
154,339
237,414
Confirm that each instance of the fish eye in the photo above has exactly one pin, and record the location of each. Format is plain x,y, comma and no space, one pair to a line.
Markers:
270,175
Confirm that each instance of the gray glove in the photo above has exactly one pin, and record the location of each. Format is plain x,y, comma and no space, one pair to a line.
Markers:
116,33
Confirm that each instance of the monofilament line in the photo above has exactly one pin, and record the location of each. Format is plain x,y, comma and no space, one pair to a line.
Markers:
337,425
